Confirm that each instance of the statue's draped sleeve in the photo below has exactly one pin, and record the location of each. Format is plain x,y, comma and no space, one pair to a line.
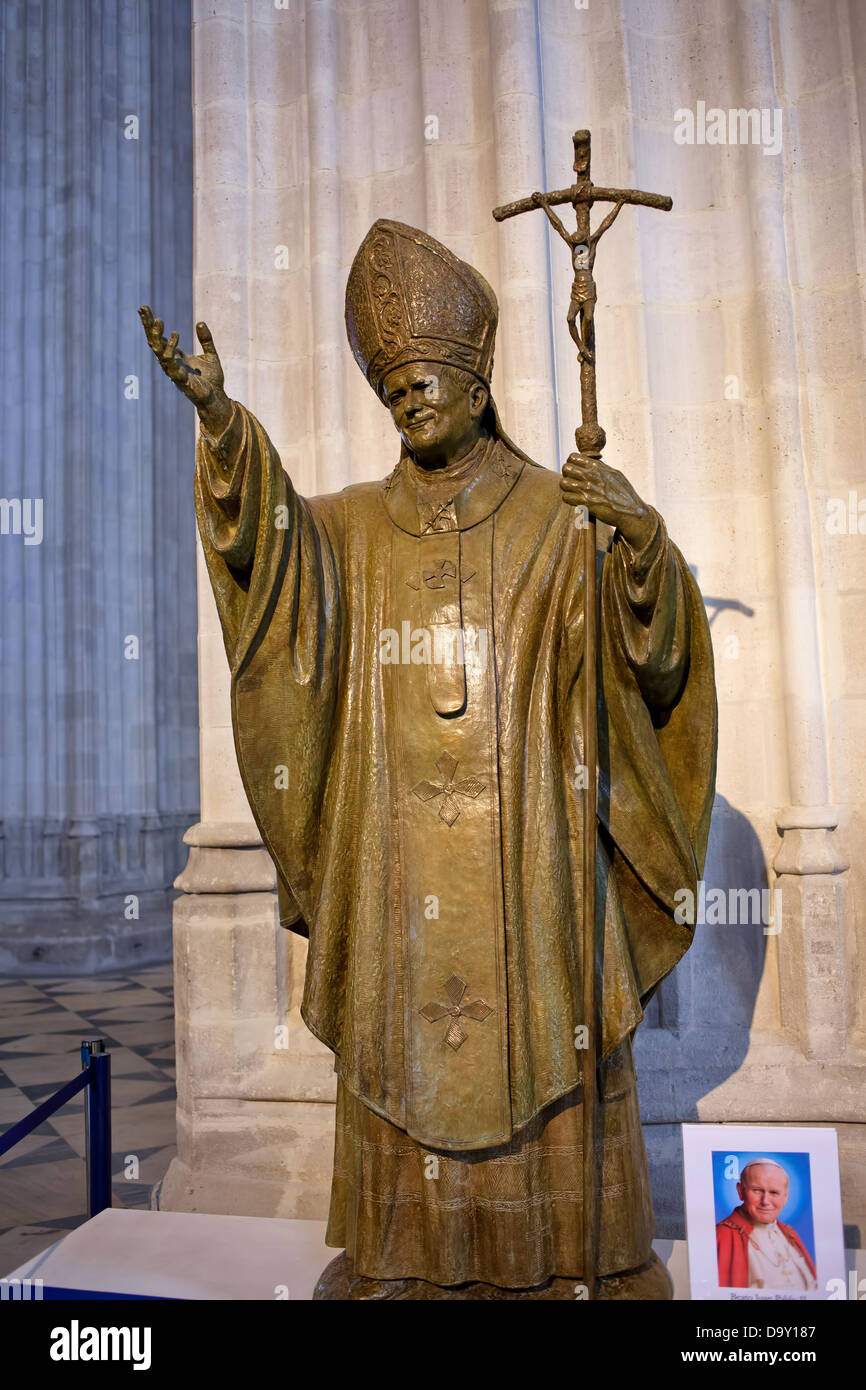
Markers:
263,542
657,743
656,720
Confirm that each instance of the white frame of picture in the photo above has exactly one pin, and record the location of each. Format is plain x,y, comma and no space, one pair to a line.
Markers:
700,1142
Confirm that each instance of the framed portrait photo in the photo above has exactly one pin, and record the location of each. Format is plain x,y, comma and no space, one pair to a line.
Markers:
763,1212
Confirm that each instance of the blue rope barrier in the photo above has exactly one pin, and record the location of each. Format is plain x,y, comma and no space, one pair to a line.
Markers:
37,1117
96,1078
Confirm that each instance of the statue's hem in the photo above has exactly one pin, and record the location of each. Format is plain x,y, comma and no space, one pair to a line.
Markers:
648,1282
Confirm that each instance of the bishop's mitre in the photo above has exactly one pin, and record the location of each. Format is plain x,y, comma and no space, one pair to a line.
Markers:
410,299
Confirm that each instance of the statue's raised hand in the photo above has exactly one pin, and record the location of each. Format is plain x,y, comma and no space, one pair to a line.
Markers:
199,378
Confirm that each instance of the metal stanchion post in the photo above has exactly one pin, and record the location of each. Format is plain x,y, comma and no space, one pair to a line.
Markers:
97,1124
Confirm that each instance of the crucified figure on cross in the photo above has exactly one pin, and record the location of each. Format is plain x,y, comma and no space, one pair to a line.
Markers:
582,244
581,309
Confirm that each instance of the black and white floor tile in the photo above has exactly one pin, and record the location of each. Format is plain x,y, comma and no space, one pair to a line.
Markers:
42,1025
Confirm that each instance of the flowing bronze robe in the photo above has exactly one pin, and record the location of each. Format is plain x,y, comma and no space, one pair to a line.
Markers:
429,839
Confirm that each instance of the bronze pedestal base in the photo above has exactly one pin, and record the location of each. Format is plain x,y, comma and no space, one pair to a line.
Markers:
339,1281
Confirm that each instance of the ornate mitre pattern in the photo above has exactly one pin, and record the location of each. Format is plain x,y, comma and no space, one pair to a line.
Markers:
410,299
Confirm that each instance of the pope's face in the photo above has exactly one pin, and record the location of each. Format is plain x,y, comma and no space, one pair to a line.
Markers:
438,419
764,1193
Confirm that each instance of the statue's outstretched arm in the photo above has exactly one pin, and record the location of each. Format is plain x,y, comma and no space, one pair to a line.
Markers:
230,454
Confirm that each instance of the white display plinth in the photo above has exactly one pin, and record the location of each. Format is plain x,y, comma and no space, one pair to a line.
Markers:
174,1254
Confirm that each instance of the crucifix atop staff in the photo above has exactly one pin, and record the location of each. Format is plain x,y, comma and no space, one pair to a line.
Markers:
583,243
597,496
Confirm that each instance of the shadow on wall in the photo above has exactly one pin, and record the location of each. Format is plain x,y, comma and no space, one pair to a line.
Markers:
696,1031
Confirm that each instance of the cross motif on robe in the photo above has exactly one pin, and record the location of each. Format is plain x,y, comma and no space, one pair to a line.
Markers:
443,569
435,578
456,1034
438,516
448,789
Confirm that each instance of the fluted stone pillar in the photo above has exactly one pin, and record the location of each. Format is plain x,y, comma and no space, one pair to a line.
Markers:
814,971
98,778
255,1089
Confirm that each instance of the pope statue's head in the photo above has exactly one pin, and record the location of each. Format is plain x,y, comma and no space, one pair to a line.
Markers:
421,325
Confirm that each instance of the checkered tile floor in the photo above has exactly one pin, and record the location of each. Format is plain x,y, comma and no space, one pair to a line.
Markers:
42,1025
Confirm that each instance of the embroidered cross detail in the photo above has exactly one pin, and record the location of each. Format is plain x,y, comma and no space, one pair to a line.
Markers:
443,569
438,516
448,789
456,1034
435,578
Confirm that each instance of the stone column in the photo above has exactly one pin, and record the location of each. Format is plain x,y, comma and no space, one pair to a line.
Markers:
255,1088
97,739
